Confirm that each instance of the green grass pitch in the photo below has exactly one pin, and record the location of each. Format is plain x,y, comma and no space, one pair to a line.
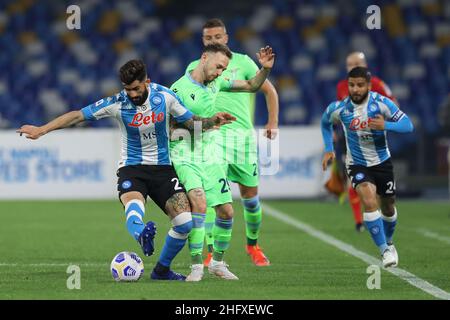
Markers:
40,239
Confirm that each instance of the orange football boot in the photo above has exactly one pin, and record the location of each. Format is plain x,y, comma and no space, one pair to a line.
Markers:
258,257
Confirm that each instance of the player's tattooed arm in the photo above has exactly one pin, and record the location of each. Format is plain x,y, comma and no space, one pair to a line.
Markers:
178,203
214,122
66,120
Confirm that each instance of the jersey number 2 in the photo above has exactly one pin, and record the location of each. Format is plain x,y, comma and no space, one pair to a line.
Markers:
391,187
225,186
177,184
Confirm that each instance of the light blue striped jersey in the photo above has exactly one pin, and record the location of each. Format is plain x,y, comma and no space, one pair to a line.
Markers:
365,146
145,128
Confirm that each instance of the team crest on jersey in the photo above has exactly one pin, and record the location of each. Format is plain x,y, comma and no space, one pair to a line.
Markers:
373,107
156,100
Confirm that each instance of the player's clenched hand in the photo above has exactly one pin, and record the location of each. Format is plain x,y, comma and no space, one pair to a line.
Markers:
31,132
377,123
222,118
266,57
326,159
270,131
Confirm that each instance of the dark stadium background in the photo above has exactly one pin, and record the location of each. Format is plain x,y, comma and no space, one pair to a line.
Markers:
48,69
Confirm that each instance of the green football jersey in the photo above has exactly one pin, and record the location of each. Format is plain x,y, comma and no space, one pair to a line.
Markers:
200,100
239,104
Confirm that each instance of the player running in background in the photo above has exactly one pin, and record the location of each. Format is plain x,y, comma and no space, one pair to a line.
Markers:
356,59
203,174
145,169
366,116
239,141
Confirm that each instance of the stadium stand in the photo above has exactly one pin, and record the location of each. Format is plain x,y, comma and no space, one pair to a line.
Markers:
48,69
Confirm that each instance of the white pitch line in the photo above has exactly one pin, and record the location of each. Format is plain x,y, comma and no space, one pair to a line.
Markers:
50,264
402,274
434,235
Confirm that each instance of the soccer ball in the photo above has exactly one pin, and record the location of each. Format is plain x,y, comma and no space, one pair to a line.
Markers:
127,266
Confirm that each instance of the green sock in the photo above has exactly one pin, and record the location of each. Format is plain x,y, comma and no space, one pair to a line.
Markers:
253,217
209,224
222,236
196,237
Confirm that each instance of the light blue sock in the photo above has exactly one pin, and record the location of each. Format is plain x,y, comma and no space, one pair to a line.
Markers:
134,212
176,238
389,224
374,224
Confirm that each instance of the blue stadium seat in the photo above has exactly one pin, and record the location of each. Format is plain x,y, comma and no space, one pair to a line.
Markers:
397,54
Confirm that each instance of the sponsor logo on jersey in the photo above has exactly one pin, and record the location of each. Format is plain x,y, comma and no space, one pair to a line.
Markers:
357,124
139,119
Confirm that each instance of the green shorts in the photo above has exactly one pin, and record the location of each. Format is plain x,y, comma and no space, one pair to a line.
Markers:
244,174
210,177
241,162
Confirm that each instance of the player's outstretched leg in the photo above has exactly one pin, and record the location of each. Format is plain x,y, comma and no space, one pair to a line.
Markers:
143,233
209,224
222,236
175,240
253,218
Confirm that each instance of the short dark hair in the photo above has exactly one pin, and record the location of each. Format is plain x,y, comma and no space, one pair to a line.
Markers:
217,47
213,23
133,70
360,72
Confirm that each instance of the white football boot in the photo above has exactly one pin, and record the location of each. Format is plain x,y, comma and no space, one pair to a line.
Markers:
220,269
388,258
394,253
196,273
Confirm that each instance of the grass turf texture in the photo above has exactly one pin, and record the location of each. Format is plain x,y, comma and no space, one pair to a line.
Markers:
40,239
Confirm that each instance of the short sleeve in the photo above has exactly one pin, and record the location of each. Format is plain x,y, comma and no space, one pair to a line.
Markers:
103,108
177,109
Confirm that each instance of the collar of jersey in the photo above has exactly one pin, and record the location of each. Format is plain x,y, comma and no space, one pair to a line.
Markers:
188,74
